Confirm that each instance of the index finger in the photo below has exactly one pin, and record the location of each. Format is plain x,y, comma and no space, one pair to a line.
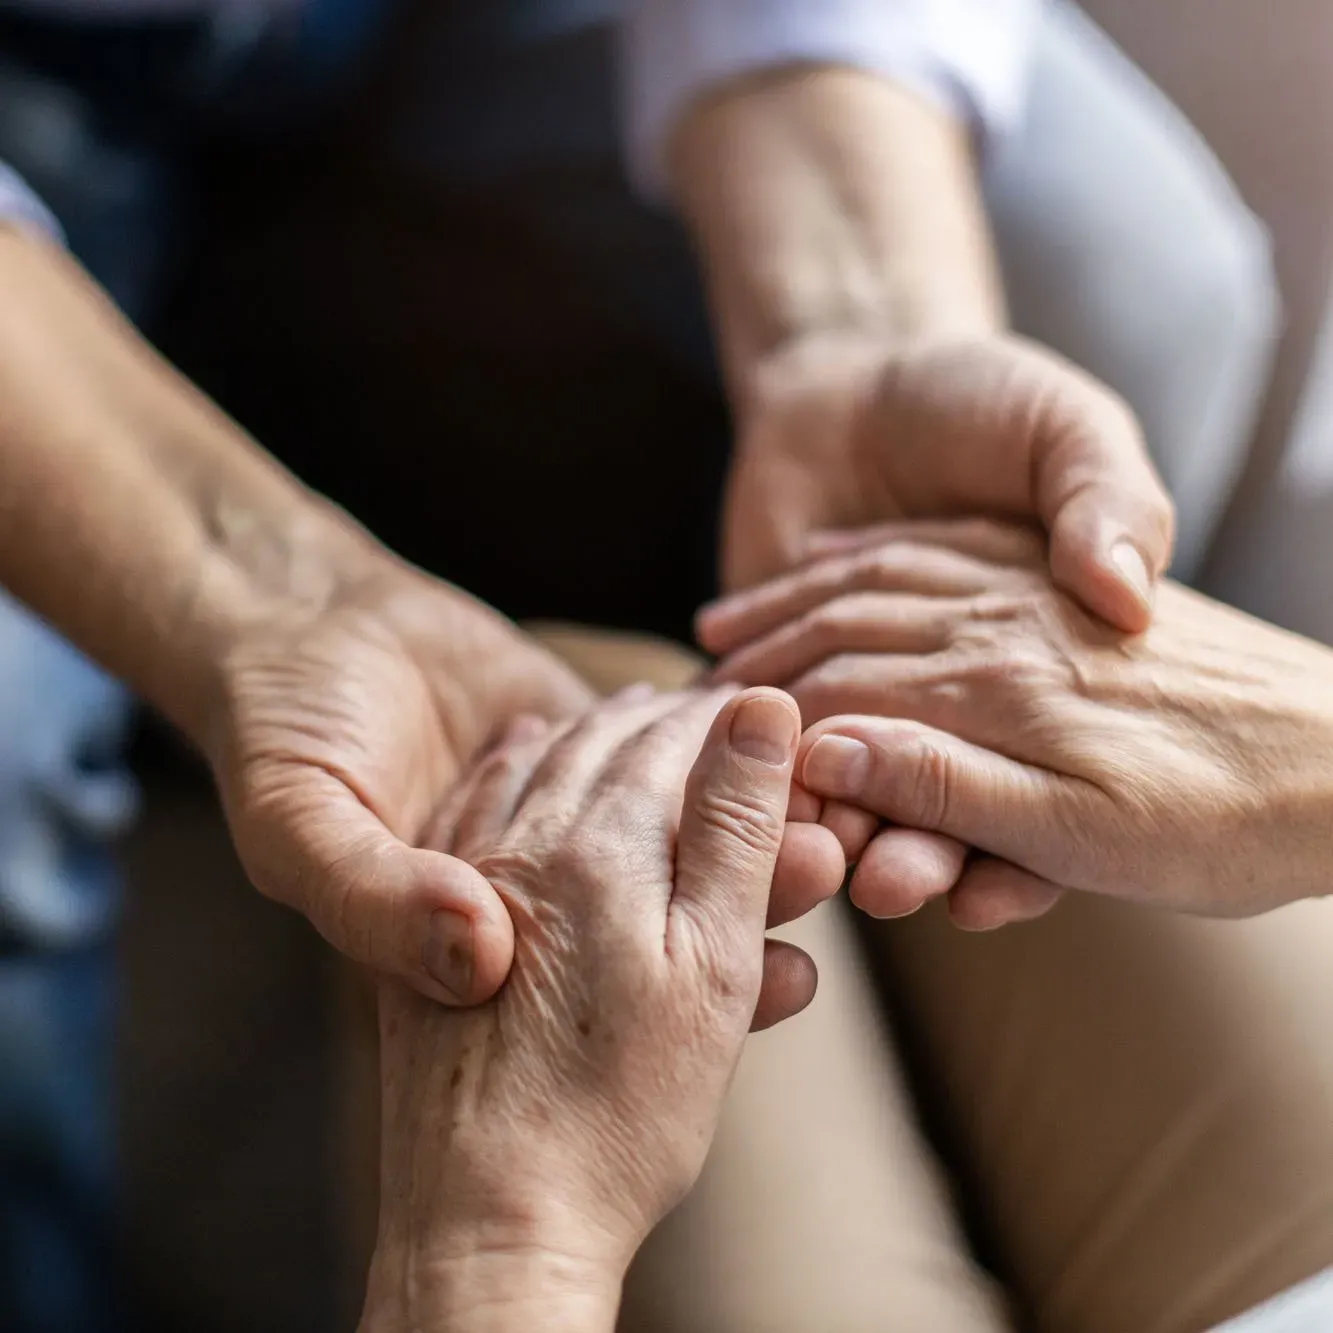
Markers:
936,571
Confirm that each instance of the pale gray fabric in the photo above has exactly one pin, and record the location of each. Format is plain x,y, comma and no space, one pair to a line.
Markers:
1277,561
1307,1309
1126,247
969,55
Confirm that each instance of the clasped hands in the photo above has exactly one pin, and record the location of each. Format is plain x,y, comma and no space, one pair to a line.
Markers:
972,732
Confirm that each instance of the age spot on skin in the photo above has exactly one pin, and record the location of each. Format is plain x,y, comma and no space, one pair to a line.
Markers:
585,1027
456,1077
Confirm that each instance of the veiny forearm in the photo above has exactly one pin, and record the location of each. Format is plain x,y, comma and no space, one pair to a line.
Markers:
824,199
134,515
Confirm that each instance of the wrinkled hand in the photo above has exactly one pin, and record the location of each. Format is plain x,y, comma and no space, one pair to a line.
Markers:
338,736
810,866
1190,767
567,1116
840,432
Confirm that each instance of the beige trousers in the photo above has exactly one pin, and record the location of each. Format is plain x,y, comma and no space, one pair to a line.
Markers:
1134,1110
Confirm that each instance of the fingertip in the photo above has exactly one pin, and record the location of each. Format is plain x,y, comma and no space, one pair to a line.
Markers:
994,894
1109,553
639,692
810,869
902,870
464,938
710,624
493,951
851,826
789,985
1104,589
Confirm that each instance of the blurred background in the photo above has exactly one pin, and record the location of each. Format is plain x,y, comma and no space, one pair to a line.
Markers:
397,240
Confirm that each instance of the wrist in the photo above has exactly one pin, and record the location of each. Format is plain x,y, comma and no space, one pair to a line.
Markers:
274,562
827,199
134,515
462,1286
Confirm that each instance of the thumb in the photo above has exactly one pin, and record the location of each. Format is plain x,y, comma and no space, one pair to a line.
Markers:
731,829
420,915
1111,521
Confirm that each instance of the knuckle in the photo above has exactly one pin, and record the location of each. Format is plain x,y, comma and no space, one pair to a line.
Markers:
835,686
728,974
579,858
743,820
985,531
1008,677
927,783
1005,608
733,976
885,566
829,624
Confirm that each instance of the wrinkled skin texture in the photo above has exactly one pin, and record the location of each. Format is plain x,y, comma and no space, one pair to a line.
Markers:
339,735
842,431
573,1110
1190,767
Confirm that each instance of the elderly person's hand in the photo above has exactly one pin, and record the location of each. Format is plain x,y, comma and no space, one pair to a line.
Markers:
532,1143
1190,767
840,432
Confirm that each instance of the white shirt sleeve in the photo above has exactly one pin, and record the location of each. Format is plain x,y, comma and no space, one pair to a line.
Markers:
969,56
18,204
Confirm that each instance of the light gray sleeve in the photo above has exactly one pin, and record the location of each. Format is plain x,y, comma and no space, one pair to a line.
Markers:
18,204
1306,1309
969,56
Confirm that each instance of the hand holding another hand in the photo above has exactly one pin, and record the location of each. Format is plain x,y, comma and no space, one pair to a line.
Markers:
839,431
962,694
337,734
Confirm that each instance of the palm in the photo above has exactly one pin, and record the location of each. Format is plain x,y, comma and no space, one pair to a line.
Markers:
345,733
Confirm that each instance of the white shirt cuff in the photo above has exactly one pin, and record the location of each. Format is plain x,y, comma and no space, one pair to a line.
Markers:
969,56
19,205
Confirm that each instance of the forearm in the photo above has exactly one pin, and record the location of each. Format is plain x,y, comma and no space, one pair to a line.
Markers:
133,514
825,199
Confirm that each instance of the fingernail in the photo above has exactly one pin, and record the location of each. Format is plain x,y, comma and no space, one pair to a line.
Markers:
897,916
836,766
764,729
447,953
1133,569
